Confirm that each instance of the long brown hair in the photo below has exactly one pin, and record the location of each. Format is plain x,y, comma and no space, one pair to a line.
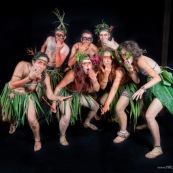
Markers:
82,81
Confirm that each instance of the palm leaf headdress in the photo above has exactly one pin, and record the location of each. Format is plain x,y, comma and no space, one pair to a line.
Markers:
61,26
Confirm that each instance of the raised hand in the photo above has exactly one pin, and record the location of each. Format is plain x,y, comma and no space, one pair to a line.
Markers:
111,44
84,47
35,72
138,94
59,45
106,71
92,75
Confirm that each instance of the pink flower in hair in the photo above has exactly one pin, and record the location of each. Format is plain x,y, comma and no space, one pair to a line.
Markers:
94,59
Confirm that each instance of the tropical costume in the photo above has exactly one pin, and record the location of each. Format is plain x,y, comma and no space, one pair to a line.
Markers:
127,88
55,73
15,103
162,90
76,101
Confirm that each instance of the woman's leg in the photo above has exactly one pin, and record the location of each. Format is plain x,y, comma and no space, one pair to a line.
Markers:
143,111
151,113
12,127
93,110
34,124
64,122
122,119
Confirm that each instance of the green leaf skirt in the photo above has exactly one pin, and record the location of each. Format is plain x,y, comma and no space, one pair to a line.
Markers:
15,105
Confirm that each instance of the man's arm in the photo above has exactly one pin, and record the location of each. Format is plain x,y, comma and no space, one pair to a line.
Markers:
49,93
61,56
44,46
72,58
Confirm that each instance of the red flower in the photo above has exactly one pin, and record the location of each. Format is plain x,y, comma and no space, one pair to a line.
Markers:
94,59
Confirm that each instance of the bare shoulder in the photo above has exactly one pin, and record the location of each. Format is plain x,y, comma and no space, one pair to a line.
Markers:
142,59
50,38
76,45
94,46
24,64
66,46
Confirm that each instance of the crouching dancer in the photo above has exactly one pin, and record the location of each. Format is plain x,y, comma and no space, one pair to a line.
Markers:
19,99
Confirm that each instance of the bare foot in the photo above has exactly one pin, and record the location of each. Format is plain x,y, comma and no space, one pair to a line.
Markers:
63,140
142,127
12,128
118,139
37,145
157,151
121,137
91,126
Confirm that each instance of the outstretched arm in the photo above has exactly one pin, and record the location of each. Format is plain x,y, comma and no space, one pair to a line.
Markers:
155,79
49,93
113,91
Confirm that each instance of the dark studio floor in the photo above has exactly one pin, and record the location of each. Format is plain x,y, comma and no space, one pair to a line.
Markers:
89,151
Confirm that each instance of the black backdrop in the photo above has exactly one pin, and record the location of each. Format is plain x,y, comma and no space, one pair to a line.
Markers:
27,24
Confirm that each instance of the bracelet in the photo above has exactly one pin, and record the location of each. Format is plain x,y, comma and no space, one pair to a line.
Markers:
143,88
30,78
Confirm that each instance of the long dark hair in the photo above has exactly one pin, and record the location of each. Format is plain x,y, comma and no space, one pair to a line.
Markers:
132,47
82,81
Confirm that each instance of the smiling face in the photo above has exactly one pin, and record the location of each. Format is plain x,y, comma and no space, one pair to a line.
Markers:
86,65
104,35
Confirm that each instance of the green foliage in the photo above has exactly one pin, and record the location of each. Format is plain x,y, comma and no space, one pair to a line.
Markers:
100,27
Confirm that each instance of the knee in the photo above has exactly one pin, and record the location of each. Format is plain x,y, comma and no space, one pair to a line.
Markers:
119,110
33,123
65,119
148,116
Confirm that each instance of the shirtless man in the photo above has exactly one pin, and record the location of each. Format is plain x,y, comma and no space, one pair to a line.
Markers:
57,50
85,46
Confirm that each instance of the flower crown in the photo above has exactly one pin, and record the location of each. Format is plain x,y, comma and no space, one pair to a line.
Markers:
80,57
61,26
128,53
102,50
101,27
